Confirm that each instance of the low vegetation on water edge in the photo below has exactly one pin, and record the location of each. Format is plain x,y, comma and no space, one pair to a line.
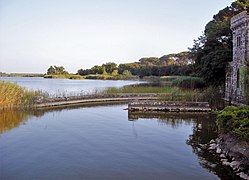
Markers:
234,120
188,82
13,95
21,75
142,88
213,95
110,77
64,76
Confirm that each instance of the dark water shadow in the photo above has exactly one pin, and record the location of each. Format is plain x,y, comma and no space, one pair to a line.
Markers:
204,130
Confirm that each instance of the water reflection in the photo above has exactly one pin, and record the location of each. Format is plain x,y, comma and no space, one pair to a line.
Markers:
169,118
203,132
204,129
92,133
10,119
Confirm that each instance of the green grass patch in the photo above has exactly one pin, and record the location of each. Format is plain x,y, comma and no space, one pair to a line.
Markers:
234,120
21,75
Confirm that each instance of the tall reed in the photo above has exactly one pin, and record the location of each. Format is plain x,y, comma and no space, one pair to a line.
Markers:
142,89
13,95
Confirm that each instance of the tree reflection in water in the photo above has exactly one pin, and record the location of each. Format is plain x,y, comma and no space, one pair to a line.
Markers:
204,130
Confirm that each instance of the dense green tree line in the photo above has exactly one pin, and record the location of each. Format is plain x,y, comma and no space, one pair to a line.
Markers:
213,50
171,64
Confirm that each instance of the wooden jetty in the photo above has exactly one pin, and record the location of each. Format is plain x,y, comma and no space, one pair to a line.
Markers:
168,106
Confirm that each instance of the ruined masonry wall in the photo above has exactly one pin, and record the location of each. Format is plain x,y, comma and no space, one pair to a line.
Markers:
234,87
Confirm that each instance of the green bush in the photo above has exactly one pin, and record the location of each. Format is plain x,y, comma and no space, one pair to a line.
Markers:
234,120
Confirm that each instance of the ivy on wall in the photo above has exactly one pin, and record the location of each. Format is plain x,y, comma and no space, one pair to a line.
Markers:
244,76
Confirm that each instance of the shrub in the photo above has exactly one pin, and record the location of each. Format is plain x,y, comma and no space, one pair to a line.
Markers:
115,72
127,73
234,120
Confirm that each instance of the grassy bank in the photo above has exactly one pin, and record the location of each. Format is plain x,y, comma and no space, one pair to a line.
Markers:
21,75
143,88
12,95
90,76
234,120
213,95
169,93
110,77
64,76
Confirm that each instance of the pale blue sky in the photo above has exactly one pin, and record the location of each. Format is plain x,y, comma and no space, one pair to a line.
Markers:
35,34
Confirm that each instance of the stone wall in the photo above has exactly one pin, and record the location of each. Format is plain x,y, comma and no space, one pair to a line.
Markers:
235,79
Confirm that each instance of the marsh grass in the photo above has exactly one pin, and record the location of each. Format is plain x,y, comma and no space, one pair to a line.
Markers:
12,95
188,82
174,93
141,89
167,93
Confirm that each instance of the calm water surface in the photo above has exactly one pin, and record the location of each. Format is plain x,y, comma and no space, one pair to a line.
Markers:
105,142
62,87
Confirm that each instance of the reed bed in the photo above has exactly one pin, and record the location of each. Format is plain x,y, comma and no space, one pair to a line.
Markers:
12,95
143,88
169,93
174,93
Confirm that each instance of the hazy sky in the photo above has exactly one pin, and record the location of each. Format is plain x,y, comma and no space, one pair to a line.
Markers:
35,34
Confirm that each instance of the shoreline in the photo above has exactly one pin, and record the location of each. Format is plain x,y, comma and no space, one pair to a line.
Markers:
232,152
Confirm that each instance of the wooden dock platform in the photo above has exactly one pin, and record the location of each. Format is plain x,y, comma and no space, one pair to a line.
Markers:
168,106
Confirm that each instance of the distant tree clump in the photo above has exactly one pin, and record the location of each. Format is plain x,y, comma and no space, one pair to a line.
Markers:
56,70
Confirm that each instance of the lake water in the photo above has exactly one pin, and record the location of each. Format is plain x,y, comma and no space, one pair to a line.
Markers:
66,87
106,142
